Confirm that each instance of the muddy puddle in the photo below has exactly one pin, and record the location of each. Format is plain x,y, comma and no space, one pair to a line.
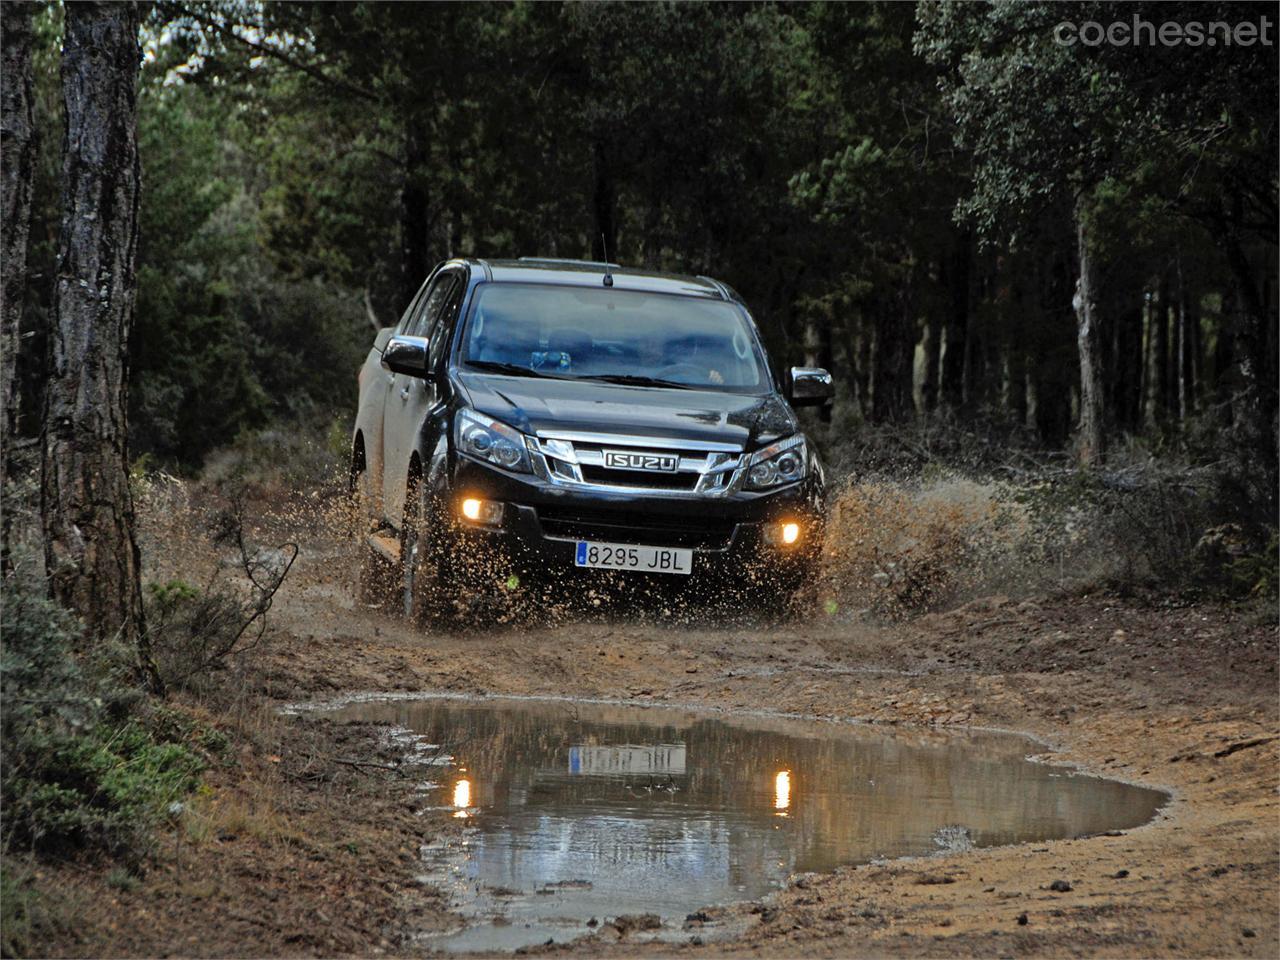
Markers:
571,815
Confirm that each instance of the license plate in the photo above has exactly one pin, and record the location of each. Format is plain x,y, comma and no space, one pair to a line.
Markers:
624,556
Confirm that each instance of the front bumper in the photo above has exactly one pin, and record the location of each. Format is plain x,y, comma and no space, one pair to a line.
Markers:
542,522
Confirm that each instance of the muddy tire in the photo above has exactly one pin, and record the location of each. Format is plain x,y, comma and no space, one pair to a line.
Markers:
784,598
426,587
376,580
361,510
375,577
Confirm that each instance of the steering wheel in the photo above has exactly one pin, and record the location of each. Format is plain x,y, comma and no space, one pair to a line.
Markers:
673,370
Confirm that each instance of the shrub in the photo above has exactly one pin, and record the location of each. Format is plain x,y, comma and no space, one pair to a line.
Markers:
82,766
313,452
194,630
896,548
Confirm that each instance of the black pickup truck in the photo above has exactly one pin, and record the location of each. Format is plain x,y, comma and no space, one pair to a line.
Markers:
576,422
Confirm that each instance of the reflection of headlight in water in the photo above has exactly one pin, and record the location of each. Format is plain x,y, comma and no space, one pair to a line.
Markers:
782,790
462,797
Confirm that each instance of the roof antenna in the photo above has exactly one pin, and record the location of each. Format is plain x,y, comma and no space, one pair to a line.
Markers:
608,277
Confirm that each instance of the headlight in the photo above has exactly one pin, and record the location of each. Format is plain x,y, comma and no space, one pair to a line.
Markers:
778,463
478,436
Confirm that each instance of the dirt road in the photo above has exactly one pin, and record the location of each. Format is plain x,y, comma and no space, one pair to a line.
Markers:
306,843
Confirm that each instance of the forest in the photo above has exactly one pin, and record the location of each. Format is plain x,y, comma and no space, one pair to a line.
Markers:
1041,269
904,195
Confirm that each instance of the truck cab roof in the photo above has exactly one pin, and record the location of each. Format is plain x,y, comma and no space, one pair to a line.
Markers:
592,273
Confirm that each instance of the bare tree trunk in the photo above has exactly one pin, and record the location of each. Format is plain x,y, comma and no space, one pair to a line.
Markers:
415,217
1195,352
958,266
651,242
1184,349
87,507
604,202
819,350
1125,397
1144,356
1224,354
1090,437
1254,404
1158,406
932,348
891,394
17,167
861,353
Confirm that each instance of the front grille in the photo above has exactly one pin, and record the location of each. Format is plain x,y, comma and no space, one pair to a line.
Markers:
639,478
656,530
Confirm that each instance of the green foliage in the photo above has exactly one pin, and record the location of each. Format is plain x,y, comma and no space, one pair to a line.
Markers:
24,913
812,155
84,769
1257,574
223,343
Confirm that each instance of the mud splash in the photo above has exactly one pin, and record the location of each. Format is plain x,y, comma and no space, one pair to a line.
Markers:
596,819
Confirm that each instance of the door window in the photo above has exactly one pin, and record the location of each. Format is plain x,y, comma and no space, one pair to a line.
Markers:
406,320
443,329
432,305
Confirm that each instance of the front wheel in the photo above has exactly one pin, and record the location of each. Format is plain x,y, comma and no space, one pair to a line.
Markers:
427,590
781,595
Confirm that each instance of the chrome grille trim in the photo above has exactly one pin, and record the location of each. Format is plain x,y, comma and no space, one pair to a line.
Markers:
716,468
653,443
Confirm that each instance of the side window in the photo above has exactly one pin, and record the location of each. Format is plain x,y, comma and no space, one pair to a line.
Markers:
431,306
407,318
442,333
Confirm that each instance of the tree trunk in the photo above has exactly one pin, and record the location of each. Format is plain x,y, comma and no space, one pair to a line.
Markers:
651,242
932,350
891,399
1127,393
17,133
1158,406
1185,389
1090,437
861,350
951,374
1254,404
87,508
1195,353
415,218
604,201
1224,354
977,383
819,349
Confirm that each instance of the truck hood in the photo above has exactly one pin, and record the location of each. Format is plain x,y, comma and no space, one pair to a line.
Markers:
532,405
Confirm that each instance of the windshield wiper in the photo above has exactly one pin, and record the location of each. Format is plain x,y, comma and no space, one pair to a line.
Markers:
514,369
634,380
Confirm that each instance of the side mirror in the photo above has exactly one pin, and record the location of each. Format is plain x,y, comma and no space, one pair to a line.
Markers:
406,355
810,386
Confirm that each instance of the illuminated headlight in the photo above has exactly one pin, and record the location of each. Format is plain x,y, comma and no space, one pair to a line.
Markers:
478,436
778,463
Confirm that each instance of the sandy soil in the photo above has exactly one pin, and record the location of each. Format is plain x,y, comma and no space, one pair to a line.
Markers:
305,843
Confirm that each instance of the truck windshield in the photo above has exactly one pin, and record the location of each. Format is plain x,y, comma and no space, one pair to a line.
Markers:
620,336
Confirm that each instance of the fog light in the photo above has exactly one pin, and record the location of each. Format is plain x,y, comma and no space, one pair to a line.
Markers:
487,512
782,534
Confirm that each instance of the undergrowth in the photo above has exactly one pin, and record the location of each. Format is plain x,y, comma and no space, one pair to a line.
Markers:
921,521
90,764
